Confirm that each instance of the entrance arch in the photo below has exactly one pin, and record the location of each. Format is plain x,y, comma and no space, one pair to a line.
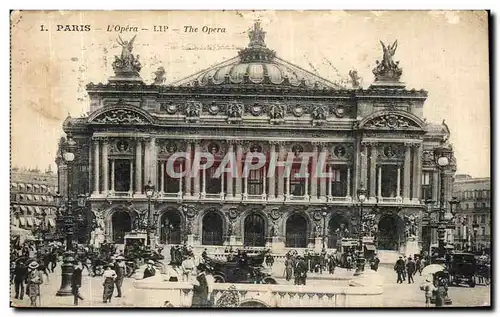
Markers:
121,224
171,227
212,229
390,232
296,231
254,230
338,228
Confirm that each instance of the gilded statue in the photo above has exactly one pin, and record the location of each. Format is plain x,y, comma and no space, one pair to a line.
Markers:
389,52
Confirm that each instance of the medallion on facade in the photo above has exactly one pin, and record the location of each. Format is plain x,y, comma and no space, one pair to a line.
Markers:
275,214
339,151
255,148
339,111
233,213
192,111
170,107
256,109
297,150
213,108
168,148
298,111
234,112
277,114
189,211
122,147
213,148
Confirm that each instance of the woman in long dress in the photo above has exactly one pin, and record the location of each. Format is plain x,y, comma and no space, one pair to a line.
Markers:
34,279
109,283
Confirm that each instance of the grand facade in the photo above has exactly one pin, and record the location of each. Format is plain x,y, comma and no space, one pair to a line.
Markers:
374,138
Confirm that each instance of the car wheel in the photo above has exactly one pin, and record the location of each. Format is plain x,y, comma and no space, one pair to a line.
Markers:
270,280
219,278
472,284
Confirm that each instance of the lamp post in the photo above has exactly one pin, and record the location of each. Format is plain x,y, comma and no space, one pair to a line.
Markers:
67,266
475,227
361,260
82,215
324,214
464,233
442,157
149,189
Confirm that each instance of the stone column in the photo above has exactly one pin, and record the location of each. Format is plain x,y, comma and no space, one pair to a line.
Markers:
187,177
112,176
313,175
131,179
196,176
398,183
435,186
417,171
348,182
147,162
203,183
281,172
153,163
379,184
272,184
364,165
323,180
96,166
229,176
407,173
162,177
373,170
330,170
239,156
138,166
105,166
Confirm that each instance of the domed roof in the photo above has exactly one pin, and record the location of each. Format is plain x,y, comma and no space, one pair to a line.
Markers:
256,65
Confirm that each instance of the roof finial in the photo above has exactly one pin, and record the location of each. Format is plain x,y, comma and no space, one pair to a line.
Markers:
257,36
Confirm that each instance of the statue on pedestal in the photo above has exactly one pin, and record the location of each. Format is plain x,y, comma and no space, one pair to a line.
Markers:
126,62
388,70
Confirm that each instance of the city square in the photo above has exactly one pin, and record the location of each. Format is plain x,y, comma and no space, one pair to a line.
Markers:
252,183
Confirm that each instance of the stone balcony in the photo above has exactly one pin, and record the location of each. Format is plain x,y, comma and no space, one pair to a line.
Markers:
255,199
154,292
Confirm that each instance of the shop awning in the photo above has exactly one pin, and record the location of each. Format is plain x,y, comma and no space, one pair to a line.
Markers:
44,198
29,197
31,209
30,221
36,186
36,197
38,210
22,221
24,208
370,247
43,187
21,186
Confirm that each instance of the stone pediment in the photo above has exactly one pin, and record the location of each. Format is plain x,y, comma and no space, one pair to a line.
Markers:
392,120
121,114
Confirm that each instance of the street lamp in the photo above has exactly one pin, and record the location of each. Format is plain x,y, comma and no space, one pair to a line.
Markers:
361,261
67,266
149,189
442,157
324,214
475,227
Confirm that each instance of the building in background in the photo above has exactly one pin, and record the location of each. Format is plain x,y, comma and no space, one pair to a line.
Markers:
473,219
32,205
374,137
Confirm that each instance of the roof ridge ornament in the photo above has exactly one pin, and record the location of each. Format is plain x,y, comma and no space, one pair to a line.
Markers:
257,36
126,66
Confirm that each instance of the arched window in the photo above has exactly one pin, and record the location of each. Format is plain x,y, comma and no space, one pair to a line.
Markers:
212,229
254,231
296,232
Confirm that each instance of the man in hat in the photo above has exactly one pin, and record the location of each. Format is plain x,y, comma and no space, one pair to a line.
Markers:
34,279
410,270
20,273
150,270
187,267
76,282
301,271
399,267
120,274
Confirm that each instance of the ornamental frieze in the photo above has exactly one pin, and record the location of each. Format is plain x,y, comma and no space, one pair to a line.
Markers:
277,113
120,116
234,112
192,111
319,113
391,121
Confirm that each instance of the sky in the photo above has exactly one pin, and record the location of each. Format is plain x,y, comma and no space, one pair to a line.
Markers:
443,52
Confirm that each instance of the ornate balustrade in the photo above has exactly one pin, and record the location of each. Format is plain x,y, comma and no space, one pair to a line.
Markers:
154,292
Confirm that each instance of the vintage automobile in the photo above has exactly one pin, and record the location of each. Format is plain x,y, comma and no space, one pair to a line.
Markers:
240,269
462,268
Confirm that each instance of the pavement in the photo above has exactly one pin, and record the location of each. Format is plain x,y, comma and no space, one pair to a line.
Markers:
395,295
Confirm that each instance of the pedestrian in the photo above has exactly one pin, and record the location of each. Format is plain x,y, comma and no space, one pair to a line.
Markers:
34,279
76,282
288,268
428,287
301,271
187,267
399,267
375,263
410,269
120,274
109,283
331,264
441,291
150,270
20,274
200,291
404,271
418,265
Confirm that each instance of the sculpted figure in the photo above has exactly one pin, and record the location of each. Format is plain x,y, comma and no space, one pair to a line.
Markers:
389,52
127,47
